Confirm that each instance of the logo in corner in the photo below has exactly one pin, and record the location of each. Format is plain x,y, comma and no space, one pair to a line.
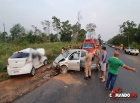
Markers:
117,93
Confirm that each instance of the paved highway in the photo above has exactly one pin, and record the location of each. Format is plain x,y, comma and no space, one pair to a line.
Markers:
72,88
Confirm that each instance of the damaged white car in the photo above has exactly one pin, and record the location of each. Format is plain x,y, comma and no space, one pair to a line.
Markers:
26,61
72,60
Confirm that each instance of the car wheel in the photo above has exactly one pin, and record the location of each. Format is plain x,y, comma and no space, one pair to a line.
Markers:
32,72
64,69
45,62
82,69
136,54
129,53
11,76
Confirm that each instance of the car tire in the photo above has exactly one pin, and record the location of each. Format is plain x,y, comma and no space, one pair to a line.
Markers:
136,54
129,53
45,62
32,72
63,69
11,76
82,69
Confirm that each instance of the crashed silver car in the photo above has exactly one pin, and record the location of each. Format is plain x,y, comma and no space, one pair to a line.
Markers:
73,59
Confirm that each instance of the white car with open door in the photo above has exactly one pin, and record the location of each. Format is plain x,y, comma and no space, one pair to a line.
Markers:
73,59
26,61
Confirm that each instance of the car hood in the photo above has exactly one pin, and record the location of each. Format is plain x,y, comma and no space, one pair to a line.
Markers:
59,58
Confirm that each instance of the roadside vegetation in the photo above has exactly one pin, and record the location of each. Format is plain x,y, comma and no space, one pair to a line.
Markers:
129,35
52,51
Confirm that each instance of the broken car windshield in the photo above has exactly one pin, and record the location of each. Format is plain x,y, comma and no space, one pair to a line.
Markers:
66,54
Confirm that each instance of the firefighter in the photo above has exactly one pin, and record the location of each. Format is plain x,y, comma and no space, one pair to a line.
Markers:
88,59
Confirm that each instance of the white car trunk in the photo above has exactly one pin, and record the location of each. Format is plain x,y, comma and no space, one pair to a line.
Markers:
16,62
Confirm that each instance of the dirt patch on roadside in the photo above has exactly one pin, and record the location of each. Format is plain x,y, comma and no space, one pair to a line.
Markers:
15,87
68,79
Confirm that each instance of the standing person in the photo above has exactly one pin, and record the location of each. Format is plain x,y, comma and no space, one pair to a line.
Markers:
114,64
63,50
103,63
88,59
97,54
69,47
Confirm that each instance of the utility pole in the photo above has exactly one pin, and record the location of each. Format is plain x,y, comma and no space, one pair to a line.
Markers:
5,34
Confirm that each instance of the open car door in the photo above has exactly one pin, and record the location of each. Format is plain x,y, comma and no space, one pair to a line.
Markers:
74,61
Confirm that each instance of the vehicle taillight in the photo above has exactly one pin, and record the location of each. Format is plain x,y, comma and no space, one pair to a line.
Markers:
20,52
7,62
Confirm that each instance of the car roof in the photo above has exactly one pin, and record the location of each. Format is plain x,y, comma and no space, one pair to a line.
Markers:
73,50
27,50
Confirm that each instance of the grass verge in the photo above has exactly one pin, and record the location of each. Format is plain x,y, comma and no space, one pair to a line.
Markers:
52,50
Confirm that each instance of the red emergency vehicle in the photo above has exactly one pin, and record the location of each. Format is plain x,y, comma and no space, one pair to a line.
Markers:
89,44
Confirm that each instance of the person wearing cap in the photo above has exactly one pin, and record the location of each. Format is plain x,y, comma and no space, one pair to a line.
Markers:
114,64
88,59
103,63
97,54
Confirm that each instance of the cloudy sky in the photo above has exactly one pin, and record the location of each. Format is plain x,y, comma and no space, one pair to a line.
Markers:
106,14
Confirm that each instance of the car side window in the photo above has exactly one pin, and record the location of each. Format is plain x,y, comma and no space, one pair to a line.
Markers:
74,56
83,54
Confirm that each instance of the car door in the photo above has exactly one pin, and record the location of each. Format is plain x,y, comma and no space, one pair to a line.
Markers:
74,61
82,59
36,60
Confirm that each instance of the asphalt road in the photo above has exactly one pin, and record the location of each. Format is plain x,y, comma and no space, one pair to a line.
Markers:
72,88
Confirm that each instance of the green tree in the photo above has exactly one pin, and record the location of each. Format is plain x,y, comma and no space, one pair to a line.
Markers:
137,35
128,29
81,35
75,30
99,38
66,31
17,31
53,37
56,24
2,37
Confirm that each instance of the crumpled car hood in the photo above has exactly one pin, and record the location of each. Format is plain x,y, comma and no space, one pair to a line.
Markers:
59,58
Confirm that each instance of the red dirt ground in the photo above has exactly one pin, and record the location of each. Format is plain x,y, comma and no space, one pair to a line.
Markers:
15,87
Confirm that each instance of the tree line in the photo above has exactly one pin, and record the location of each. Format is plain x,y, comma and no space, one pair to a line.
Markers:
129,35
67,32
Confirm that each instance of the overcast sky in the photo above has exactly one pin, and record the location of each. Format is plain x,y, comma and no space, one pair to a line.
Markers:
106,14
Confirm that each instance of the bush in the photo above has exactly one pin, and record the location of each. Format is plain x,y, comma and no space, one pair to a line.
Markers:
136,45
3,77
3,67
